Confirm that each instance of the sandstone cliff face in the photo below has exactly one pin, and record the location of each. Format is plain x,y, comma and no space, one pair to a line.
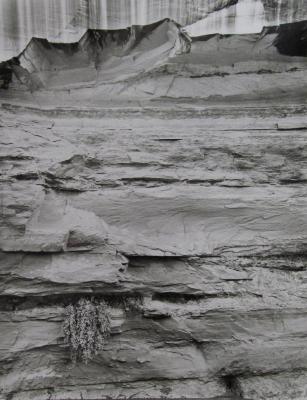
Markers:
203,217
67,21
142,167
249,16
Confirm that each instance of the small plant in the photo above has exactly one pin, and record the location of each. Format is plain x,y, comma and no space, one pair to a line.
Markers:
133,304
86,328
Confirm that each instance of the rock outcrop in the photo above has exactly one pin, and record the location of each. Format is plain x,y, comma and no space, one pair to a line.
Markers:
68,20
166,175
249,16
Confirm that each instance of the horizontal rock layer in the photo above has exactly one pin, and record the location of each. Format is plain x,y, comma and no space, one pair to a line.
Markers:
167,177
134,207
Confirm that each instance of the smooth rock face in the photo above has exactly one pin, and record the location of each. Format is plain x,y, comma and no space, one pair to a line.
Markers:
166,176
66,21
249,16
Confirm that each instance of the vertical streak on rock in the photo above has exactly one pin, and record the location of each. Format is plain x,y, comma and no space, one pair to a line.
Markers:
66,20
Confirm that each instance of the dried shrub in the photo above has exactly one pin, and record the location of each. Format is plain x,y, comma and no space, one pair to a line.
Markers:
133,304
86,328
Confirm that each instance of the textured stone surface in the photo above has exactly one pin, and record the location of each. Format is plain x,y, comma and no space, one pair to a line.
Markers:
249,16
68,20
164,194
167,177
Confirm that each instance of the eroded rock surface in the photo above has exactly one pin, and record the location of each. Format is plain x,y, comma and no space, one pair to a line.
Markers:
68,20
205,218
167,177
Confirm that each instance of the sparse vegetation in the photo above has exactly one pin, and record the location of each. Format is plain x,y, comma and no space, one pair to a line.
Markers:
86,328
133,304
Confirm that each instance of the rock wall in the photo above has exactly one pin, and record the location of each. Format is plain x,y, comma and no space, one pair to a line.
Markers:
202,217
249,16
166,176
67,21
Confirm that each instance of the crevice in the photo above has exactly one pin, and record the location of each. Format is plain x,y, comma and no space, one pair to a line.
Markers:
16,303
180,298
256,72
7,72
232,386
143,261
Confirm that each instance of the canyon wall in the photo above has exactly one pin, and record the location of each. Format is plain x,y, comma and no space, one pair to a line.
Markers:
67,20
162,169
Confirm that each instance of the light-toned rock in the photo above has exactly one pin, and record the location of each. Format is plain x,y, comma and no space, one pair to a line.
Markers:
205,322
283,385
168,178
67,21
249,16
